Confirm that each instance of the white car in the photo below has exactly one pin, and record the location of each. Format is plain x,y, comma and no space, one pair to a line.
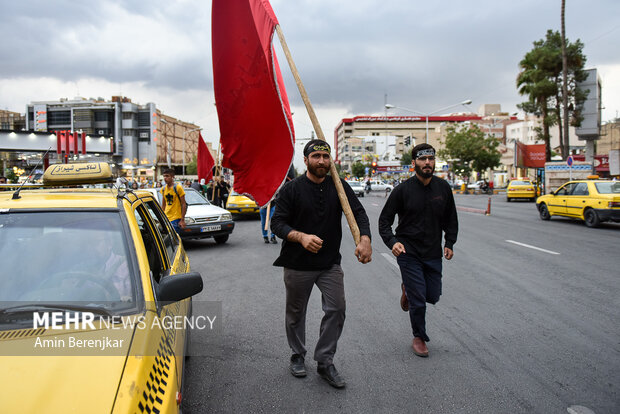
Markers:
202,219
357,187
380,186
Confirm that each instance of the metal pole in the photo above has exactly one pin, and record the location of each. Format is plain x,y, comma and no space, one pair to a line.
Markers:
427,129
184,132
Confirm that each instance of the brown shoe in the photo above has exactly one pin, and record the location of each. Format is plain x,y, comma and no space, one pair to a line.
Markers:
404,303
419,347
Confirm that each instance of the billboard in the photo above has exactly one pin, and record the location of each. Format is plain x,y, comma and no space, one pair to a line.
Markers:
530,156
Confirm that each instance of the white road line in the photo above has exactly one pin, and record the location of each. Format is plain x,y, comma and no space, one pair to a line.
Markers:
532,247
375,204
390,258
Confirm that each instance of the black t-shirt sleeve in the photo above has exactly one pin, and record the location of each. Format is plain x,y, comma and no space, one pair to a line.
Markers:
363,223
285,202
386,218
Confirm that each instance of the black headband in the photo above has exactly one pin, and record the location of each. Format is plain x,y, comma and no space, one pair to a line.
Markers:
319,146
426,152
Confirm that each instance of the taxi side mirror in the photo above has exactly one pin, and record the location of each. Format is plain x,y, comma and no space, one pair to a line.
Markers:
177,287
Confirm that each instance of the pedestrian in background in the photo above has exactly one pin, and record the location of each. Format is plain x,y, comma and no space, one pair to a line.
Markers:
173,201
425,208
308,219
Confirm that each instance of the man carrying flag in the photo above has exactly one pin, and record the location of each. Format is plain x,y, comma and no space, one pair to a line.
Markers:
308,218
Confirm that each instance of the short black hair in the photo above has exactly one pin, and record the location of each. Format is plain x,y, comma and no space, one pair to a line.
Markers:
420,147
169,171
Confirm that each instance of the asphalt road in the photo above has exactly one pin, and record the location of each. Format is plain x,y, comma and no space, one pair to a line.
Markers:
528,323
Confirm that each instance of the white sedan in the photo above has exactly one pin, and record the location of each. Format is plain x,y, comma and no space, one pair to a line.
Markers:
380,186
202,219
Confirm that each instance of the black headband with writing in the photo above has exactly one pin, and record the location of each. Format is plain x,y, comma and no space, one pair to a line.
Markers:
428,152
317,147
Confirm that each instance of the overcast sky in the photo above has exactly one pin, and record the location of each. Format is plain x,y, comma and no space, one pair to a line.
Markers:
350,53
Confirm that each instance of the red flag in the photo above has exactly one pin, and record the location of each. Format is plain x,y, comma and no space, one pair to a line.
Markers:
204,161
256,126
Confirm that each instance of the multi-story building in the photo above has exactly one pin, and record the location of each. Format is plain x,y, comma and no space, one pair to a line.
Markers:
380,133
144,139
13,121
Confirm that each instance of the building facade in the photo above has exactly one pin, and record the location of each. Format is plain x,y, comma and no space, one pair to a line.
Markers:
388,136
144,139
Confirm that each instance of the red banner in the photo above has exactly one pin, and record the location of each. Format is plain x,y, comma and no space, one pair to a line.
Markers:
204,161
530,156
256,126
601,162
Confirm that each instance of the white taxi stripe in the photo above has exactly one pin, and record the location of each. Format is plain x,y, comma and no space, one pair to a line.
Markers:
532,247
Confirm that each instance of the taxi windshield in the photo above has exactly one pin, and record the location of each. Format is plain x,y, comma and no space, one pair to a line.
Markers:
515,182
56,256
611,187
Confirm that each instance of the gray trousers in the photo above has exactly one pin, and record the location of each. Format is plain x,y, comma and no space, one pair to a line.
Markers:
299,284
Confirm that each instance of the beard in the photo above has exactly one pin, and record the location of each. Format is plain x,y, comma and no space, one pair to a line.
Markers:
317,171
424,174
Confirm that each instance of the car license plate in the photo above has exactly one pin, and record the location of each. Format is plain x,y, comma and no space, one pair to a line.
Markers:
211,228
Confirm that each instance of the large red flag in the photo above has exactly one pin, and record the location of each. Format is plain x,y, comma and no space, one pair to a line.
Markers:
256,126
205,161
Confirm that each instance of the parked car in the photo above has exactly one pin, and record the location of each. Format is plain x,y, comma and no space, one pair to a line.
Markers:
357,187
202,219
80,268
592,201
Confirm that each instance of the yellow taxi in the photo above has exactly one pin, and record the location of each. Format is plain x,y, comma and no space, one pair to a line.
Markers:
91,280
520,188
592,201
240,204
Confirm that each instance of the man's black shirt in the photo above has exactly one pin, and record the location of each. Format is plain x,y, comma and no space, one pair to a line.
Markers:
423,212
312,208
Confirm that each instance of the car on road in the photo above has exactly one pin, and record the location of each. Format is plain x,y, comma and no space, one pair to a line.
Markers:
80,268
240,204
357,187
376,185
202,219
593,201
520,188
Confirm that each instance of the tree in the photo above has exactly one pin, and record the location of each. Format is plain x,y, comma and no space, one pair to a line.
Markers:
469,149
358,169
541,78
192,167
406,158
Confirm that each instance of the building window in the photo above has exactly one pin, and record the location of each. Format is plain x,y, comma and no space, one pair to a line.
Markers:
374,134
144,119
59,117
103,116
128,115
129,133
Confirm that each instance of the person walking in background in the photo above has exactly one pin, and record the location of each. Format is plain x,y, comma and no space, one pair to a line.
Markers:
173,201
263,220
308,219
425,208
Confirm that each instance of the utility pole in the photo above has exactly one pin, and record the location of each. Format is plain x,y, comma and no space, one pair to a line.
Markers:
566,147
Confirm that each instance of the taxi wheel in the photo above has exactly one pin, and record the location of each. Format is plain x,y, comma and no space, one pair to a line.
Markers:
544,212
591,218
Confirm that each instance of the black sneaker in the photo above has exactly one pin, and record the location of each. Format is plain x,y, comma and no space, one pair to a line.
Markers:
266,239
298,369
331,375
273,240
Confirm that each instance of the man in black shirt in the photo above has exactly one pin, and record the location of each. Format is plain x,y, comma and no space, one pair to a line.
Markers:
308,218
425,207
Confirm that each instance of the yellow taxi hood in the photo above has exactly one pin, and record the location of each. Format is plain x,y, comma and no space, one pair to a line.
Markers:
54,383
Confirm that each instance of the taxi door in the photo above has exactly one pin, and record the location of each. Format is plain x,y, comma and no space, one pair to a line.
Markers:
177,263
576,200
557,205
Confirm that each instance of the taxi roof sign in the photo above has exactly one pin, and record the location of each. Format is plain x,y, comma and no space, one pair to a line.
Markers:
74,174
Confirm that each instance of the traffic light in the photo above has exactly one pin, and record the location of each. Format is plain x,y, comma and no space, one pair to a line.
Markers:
374,167
407,141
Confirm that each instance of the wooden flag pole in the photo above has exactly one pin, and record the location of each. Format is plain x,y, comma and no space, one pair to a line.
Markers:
344,202
216,172
267,218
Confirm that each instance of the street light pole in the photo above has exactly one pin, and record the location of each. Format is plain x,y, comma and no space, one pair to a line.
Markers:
184,134
388,106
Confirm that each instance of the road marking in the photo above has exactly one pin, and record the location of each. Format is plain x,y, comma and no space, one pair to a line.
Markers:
579,409
390,258
375,204
532,247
